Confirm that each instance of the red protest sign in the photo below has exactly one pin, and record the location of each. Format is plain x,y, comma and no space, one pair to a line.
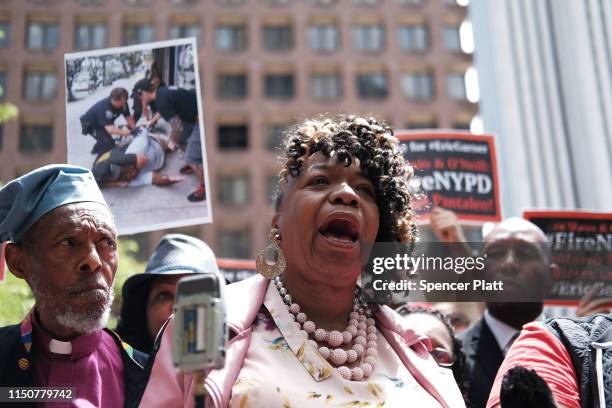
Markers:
581,246
457,171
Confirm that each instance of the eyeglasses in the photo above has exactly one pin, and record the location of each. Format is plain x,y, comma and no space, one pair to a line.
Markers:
443,357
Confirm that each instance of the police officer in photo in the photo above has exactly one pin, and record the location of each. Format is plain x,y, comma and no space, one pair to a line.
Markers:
99,120
179,107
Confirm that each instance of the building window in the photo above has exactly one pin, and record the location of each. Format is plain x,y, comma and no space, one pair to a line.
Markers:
137,2
278,86
233,137
3,89
234,190
235,244
365,2
231,37
451,38
413,37
323,37
271,186
278,37
138,34
90,36
91,2
232,86
326,87
39,86
372,86
230,2
409,2
5,34
324,3
456,86
277,3
36,138
423,123
42,36
185,31
417,86
369,37
461,125
275,134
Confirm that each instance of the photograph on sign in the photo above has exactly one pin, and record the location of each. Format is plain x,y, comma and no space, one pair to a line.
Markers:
134,117
456,171
581,246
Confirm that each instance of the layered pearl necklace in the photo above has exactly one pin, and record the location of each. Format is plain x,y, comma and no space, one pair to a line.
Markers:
360,337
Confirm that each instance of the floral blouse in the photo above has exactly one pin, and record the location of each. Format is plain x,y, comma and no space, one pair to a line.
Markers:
282,369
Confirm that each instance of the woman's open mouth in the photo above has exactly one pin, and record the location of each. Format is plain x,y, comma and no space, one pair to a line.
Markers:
341,229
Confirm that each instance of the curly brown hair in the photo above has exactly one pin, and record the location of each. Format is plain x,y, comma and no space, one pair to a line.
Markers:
377,149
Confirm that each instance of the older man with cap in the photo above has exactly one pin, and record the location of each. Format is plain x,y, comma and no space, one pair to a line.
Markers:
61,239
148,297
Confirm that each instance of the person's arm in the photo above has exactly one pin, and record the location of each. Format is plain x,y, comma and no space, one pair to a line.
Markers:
538,349
153,120
121,184
130,122
114,130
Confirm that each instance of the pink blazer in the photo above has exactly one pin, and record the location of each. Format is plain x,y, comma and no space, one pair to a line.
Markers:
168,387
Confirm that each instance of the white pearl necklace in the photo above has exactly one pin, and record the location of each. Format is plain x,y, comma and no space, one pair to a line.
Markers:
360,336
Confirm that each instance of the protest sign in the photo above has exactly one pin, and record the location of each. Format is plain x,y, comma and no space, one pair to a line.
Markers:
457,171
581,246
134,116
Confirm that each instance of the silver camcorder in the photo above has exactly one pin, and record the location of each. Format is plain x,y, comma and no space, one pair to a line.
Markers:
200,330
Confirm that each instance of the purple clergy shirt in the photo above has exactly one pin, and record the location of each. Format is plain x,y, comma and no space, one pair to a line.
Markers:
91,363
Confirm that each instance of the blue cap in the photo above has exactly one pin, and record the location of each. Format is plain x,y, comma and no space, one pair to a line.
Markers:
26,199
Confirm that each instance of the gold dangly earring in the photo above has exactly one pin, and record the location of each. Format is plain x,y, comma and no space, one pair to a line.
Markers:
271,262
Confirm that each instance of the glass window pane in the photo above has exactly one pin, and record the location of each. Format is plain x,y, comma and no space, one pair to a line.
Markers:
99,36
235,244
233,137
234,190
35,36
32,86
456,86
278,86
372,86
451,38
52,36
271,186
3,88
230,38
48,86
323,37
413,38
275,134
82,36
146,34
417,86
278,38
35,139
368,37
231,85
5,38
326,86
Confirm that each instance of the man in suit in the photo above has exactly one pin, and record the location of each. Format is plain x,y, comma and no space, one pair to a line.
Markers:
516,254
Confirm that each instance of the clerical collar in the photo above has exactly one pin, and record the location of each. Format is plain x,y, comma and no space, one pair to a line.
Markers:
78,347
